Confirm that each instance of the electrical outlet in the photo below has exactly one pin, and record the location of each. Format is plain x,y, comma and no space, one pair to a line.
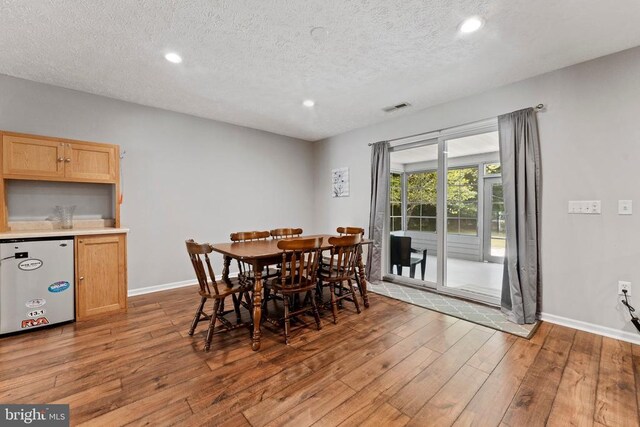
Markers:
624,286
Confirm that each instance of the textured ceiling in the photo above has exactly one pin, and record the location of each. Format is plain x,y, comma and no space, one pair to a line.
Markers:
253,62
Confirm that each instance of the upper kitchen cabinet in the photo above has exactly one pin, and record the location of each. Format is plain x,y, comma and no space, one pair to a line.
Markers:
91,162
26,157
32,157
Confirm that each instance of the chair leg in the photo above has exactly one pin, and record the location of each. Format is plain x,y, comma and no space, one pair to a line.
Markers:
196,319
424,267
319,290
265,308
334,305
287,321
307,298
212,324
316,313
236,308
247,297
412,271
353,294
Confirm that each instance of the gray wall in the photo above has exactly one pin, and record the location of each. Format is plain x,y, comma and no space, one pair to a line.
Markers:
590,140
36,200
183,176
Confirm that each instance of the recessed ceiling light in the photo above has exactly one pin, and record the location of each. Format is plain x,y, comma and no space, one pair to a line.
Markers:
471,24
173,57
308,103
319,33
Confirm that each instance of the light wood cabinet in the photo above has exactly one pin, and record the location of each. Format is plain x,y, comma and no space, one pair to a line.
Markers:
27,157
90,161
101,275
44,158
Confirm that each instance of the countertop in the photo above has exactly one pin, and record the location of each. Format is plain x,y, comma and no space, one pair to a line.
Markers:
25,234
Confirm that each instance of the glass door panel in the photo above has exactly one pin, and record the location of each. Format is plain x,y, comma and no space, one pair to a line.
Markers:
466,272
412,244
495,233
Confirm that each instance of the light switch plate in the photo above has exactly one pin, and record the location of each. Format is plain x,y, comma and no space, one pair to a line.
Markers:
625,207
588,207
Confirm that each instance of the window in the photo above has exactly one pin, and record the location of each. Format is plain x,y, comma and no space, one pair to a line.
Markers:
422,201
492,169
462,201
395,199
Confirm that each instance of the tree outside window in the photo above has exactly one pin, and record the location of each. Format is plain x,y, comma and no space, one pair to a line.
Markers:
422,201
395,199
462,201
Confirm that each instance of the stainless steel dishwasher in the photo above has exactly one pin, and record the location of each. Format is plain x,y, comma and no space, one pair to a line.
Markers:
36,283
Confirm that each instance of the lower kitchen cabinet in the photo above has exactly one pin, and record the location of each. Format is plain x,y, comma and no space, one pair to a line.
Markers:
101,274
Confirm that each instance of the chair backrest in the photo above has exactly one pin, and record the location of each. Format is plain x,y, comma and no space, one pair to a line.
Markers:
400,250
244,268
196,252
285,233
344,255
248,236
348,231
300,258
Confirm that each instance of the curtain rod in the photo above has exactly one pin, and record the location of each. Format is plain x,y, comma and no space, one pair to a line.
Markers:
538,107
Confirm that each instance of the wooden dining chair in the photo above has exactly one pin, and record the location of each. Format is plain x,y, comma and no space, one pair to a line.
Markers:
300,265
349,231
245,270
211,290
285,233
341,269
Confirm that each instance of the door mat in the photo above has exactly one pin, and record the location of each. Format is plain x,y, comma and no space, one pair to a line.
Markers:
473,312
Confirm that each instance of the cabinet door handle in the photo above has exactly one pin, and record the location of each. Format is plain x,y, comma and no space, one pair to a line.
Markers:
67,160
81,277
60,159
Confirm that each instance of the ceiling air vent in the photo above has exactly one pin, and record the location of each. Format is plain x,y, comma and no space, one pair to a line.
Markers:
397,107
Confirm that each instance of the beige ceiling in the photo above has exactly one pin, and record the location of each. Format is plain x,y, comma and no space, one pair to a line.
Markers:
253,62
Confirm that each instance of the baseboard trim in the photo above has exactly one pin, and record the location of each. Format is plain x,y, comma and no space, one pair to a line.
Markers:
158,288
631,337
166,287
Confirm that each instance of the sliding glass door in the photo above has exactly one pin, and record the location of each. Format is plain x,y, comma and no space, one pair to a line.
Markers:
412,246
446,215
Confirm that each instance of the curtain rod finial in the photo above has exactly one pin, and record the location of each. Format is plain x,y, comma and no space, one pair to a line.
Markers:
539,107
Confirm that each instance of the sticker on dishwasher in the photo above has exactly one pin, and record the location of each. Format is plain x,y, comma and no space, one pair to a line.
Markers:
37,313
59,286
30,264
35,303
30,323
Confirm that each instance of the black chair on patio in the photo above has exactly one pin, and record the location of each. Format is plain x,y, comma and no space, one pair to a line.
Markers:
403,255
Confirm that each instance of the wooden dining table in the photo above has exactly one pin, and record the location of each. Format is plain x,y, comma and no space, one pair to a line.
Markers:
263,253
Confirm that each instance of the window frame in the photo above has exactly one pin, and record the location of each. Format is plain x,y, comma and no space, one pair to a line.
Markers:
402,203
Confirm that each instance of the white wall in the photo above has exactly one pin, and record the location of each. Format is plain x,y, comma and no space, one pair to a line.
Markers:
183,177
590,143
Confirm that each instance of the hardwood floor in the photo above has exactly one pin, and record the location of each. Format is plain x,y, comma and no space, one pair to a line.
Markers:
393,365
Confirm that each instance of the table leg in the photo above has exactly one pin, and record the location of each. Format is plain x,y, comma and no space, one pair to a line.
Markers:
225,270
363,281
257,307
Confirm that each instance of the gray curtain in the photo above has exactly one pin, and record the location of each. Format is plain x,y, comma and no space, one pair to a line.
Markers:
520,158
380,169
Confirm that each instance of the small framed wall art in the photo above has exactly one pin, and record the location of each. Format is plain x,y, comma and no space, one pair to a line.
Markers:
340,182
